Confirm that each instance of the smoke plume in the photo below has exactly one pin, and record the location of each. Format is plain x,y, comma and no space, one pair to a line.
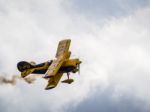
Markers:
4,79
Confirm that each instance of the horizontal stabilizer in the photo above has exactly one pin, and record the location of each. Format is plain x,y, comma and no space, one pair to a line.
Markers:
26,73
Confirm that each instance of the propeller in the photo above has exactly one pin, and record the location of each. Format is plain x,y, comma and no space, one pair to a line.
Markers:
78,69
78,64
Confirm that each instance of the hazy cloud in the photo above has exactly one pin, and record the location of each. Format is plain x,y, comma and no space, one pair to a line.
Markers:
102,9
105,101
115,53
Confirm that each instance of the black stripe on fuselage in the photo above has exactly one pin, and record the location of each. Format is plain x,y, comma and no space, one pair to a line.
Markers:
23,65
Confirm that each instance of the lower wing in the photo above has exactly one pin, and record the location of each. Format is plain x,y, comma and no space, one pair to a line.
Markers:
53,81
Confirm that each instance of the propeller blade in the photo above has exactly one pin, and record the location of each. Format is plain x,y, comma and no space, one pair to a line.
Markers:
79,69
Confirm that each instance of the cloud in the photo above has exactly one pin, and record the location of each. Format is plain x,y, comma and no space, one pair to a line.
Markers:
105,101
115,53
102,9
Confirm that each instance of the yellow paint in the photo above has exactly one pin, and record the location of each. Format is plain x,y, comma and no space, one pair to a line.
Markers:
62,60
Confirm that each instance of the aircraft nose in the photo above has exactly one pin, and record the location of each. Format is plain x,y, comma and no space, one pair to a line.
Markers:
79,62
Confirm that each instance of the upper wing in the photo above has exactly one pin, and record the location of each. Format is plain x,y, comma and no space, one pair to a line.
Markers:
61,55
52,82
63,47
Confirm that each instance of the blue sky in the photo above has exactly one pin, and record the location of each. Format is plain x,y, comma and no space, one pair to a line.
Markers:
103,9
111,37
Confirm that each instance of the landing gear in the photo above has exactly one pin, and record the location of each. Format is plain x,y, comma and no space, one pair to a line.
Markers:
68,80
68,75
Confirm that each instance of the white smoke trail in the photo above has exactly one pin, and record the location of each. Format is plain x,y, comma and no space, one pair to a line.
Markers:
4,79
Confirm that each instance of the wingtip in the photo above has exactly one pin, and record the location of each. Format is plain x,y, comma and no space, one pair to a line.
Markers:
49,87
47,76
67,39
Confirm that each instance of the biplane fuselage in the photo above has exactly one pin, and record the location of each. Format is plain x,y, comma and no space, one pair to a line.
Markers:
68,66
53,69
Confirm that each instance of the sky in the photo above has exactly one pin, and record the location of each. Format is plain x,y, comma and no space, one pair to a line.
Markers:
111,37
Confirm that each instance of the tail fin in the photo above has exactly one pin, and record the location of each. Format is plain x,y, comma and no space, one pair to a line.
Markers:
23,66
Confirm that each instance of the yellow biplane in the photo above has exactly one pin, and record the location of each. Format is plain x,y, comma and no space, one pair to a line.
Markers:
53,69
